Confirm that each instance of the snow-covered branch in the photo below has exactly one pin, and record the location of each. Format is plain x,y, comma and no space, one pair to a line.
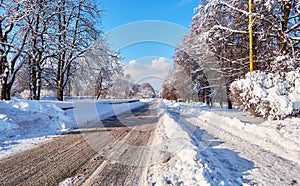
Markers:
228,29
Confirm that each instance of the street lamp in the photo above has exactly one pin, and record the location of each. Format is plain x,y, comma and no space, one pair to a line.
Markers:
250,36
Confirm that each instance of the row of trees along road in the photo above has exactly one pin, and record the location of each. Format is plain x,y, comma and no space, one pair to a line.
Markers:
216,50
47,40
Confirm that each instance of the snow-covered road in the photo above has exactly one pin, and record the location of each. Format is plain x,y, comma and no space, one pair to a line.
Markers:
191,144
213,152
25,124
107,153
234,160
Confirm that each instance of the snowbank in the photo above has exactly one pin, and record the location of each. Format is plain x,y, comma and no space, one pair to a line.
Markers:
25,119
24,123
268,95
193,157
200,153
178,153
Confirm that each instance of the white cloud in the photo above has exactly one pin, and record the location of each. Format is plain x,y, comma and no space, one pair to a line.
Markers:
132,62
159,63
139,69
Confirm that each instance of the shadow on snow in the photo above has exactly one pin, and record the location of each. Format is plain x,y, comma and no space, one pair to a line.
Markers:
220,165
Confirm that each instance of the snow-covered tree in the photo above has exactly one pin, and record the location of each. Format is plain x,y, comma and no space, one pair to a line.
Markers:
219,39
195,73
178,84
76,31
40,26
13,37
277,33
97,71
168,91
121,88
144,90
51,36
225,26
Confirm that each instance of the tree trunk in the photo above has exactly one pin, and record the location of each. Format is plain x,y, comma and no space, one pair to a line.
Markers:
229,104
3,92
38,95
228,96
60,86
8,91
98,95
201,96
60,94
32,81
4,80
207,91
5,87
286,8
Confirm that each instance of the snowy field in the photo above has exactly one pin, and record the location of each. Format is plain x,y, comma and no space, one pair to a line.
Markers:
27,123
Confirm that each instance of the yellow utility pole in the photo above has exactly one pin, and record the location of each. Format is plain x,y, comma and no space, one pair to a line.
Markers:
250,36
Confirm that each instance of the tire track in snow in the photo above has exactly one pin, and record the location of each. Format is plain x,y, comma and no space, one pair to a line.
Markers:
268,169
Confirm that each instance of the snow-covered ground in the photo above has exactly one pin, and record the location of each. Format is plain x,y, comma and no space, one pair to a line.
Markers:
252,153
279,136
193,144
173,156
27,123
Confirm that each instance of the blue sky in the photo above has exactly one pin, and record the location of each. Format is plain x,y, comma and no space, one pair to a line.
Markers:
120,12
146,55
